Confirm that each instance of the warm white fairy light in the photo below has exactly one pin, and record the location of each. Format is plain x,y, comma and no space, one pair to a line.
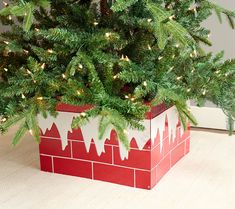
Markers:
96,23
22,96
5,69
132,99
6,42
173,56
159,58
40,98
115,76
226,74
204,92
172,17
171,68
80,66
63,76
5,3
43,65
179,78
107,35
26,51
3,120
217,71
9,17
31,131
83,114
29,72
125,58
145,83
177,45
126,96
125,131
50,51
149,47
149,20
78,92
36,29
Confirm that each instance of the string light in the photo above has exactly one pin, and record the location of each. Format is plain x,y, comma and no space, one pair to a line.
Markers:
25,51
125,58
173,56
96,23
40,98
107,35
115,76
43,65
171,68
5,69
36,29
29,72
145,83
177,45
132,99
5,3
159,58
63,76
192,71
31,131
80,66
204,92
149,20
125,131
172,17
188,90
50,51
179,78
9,17
83,114
149,47
217,71
226,74
3,120
6,42
78,92
126,96
22,96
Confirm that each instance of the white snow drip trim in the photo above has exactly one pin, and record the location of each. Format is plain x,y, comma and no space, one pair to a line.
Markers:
64,120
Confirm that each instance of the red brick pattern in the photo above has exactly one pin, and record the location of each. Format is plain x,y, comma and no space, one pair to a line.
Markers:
143,168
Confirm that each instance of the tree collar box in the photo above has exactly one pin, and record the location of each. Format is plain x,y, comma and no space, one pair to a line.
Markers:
80,153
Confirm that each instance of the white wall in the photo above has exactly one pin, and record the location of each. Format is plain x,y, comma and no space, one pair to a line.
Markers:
222,37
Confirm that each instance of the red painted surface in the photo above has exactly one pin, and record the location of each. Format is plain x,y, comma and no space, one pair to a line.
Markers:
177,153
80,152
73,167
136,159
53,147
46,163
163,167
143,179
143,168
114,174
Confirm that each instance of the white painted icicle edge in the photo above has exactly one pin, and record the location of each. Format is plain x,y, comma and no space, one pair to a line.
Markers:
63,122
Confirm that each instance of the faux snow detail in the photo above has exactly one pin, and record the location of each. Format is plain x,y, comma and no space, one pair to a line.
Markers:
90,131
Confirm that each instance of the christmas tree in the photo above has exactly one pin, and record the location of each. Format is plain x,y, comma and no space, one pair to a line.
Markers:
115,55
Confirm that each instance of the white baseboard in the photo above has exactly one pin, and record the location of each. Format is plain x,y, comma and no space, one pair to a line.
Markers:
210,117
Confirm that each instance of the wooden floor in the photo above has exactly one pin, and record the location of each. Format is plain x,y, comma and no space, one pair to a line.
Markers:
205,179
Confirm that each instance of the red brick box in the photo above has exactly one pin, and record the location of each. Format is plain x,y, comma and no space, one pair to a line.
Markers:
80,153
